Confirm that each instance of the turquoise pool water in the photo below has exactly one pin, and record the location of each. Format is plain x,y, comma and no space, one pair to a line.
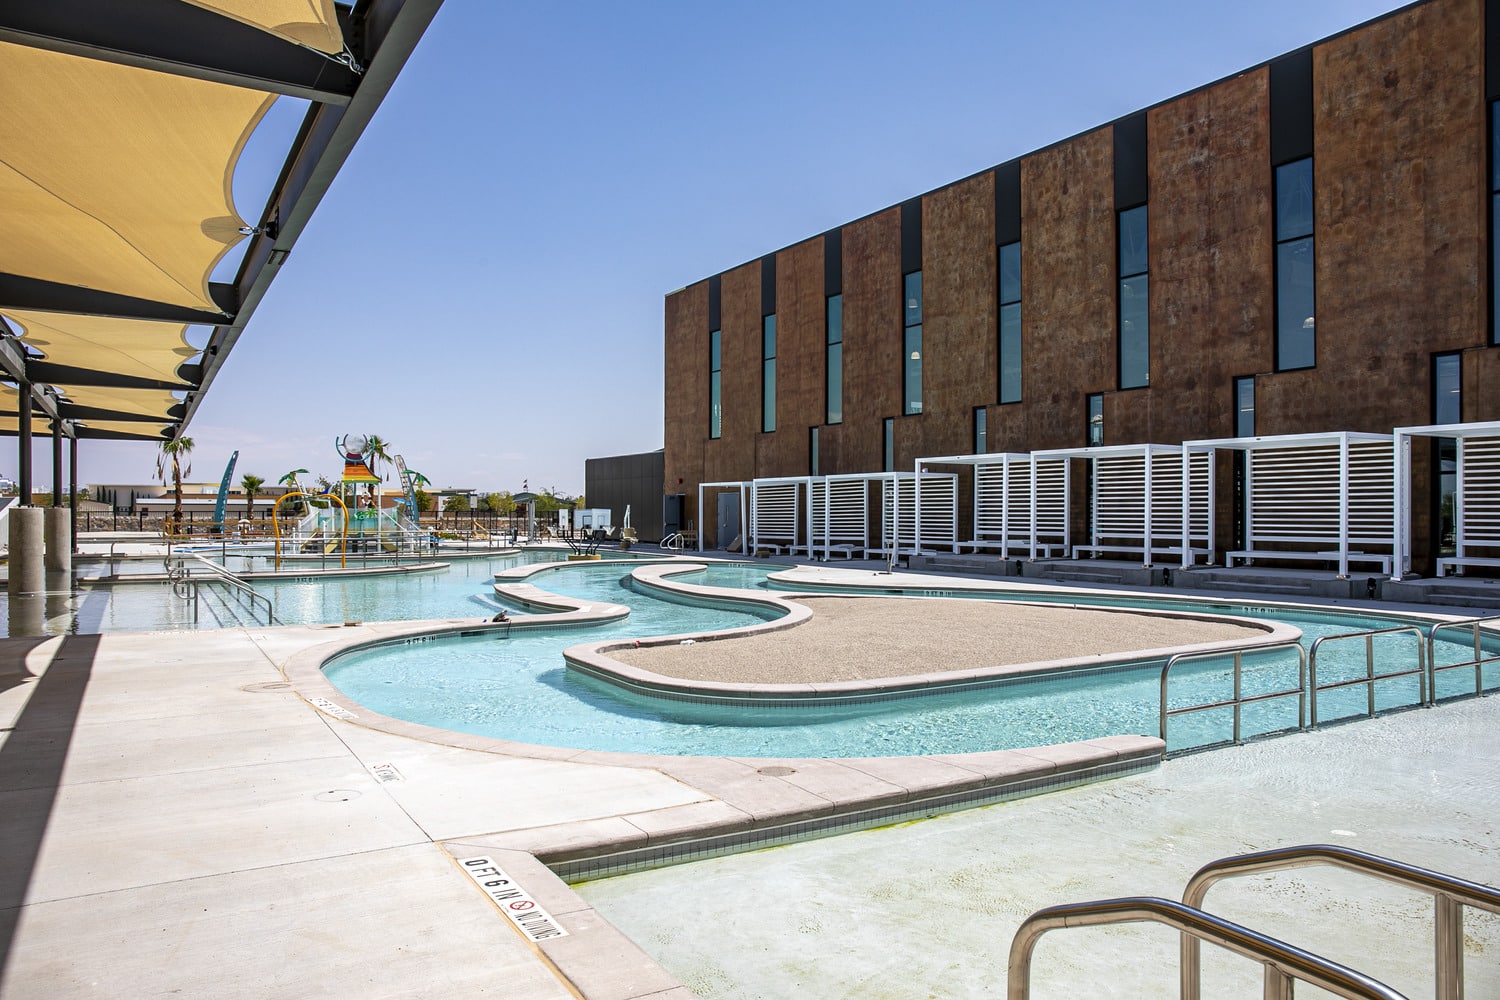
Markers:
517,688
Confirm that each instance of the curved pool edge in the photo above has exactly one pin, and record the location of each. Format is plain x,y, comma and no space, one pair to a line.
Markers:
743,803
593,659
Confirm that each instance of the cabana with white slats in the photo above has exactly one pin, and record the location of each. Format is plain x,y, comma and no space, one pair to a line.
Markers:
780,516
706,521
1020,504
1476,496
1323,497
841,516
917,510
1145,500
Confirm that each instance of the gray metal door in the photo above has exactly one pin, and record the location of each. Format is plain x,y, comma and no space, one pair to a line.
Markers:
729,520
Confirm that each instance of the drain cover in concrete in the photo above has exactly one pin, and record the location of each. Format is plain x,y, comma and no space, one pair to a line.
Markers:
337,795
266,686
776,772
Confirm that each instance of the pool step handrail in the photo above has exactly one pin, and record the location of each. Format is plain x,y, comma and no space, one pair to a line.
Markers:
1477,628
1368,635
1450,894
185,585
1238,700
1283,963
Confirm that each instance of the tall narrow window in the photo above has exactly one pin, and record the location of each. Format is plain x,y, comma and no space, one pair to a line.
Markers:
1447,389
1494,222
834,319
981,430
1010,323
1134,318
812,452
1447,408
911,344
768,374
1244,407
715,409
1096,420
1296,315
889,437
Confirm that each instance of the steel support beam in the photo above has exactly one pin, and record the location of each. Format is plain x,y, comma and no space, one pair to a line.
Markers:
47,372
169,36
73,488
20,292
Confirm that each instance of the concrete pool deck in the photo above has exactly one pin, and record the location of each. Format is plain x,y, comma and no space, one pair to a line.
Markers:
175,817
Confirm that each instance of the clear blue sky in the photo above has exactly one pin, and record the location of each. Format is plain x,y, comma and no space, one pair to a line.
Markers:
483,284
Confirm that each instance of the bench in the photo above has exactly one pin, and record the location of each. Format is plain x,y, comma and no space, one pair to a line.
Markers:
1327,555
1023,545
1457,563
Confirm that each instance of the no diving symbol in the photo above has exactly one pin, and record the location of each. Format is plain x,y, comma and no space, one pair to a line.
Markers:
522,904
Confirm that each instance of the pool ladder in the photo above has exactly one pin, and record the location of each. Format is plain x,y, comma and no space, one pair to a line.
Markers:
1283,963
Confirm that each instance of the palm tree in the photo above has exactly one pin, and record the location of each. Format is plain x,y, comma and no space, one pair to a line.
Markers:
251,485
379,450
173,456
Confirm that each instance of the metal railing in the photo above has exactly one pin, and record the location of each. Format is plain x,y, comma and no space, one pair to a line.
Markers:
1475,625
1239,699
675,542
1450,896
1370,676
185,585
1284,964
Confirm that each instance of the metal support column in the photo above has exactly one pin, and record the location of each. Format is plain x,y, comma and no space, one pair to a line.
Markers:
57,475
23,438
73,489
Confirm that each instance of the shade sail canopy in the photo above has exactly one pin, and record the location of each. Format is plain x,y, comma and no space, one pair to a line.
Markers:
118,179
313,23
121,127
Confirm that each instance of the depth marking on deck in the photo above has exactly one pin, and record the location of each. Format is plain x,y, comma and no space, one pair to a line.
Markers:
337,711
516,903
387,772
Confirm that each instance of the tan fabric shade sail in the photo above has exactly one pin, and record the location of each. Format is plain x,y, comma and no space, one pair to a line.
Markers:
313,23
121,127
117,179
138,348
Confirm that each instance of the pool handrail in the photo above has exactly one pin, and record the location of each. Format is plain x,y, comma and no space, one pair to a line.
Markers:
1370,676
1479,661
220,574
1451,894
1283,963
1239,699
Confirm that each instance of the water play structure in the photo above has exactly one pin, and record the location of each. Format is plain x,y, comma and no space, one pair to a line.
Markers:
350,520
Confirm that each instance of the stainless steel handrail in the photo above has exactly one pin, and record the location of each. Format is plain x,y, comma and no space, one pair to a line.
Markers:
1283,963
1239,699
1370,676
1474,624
222,574
1451,895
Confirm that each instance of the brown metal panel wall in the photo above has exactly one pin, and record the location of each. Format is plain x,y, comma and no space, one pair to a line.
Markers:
1398,170
800,361
1211,264
732,457
686,390
958,318
1068,294
872,338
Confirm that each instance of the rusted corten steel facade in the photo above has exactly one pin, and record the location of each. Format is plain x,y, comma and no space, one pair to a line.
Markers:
1395,115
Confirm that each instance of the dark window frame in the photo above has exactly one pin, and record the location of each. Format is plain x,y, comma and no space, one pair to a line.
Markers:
912,398
715,384
768,373
1291,241
1012,304
1128,273
831,363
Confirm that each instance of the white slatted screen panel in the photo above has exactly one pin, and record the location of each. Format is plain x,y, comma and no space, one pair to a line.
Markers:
1372,493
939,509
1050,502
843,517
989,501
1166,498
1477,509
1293,494
773,512
1119,498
